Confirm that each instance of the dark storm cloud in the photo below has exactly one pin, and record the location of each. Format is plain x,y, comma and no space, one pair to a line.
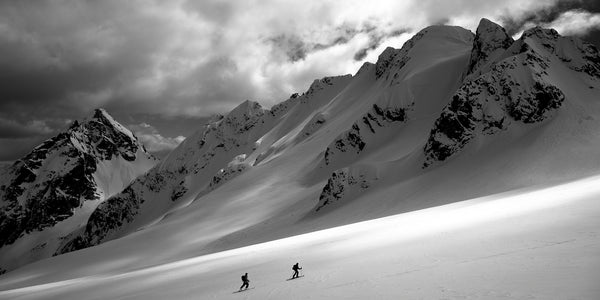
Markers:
295,48
292,46
375,40
514,24
18,147
10,129
60,59
66,60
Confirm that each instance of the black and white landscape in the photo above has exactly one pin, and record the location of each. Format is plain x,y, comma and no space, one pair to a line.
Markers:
459,165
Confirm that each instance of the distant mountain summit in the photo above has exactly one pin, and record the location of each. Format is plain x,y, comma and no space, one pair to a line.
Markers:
451,115
52,190
416,107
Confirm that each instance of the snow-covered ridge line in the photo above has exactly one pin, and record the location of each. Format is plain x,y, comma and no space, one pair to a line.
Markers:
200,164
61,181
515,87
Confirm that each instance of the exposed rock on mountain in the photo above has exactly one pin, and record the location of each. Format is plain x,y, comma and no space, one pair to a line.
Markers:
353,142
518,87
491,40
354,148
344,182
47,192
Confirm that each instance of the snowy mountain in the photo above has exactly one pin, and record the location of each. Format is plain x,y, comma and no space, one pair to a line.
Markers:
52,191
455,137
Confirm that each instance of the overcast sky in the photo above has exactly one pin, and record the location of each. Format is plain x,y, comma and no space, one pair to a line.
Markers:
162,67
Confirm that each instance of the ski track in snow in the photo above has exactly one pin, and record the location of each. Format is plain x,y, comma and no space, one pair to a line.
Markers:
475,258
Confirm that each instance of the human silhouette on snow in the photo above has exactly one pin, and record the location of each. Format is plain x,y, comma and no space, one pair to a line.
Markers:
296,268
246,281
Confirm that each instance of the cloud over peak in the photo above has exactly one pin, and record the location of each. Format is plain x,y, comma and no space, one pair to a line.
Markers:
61,59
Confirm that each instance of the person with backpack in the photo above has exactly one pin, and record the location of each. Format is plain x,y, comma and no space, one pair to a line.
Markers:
246,281
296,268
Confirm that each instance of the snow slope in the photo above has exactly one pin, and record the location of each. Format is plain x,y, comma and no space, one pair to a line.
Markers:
448,117
537,243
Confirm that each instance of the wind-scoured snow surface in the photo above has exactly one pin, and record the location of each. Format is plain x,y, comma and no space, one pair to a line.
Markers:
527,244
459,166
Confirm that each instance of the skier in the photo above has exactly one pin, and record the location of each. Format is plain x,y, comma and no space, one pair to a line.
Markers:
296,268
246,281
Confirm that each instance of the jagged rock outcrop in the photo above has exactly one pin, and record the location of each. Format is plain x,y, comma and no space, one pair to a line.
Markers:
391,60
516,88
66,176
505,82
236,167
200,164
345,183
576,54
313,125
197,156
354,140
491,40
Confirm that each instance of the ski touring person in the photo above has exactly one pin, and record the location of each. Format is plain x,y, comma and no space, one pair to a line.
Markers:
296,268
246,281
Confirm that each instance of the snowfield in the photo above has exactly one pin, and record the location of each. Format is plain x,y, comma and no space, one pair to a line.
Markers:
526,244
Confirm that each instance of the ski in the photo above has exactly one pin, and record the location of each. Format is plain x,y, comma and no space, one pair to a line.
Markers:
239,291
294,278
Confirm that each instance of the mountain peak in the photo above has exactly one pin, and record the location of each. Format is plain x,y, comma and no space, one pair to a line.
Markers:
247,107
100,113
396,59
320,84
63,179
540,33
490,41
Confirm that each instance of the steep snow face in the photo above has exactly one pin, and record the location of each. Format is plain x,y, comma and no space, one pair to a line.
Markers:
411,84
576,54
391,61
351,142
522,87
183,173
52,190
298,118
203,162
234,168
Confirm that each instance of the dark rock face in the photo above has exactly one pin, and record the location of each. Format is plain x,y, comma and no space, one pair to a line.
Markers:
225,136
576,54
334,189
233,169
354,139
391,59
105,219
112,141
489,38
342,181
36,197
533,107
515,89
